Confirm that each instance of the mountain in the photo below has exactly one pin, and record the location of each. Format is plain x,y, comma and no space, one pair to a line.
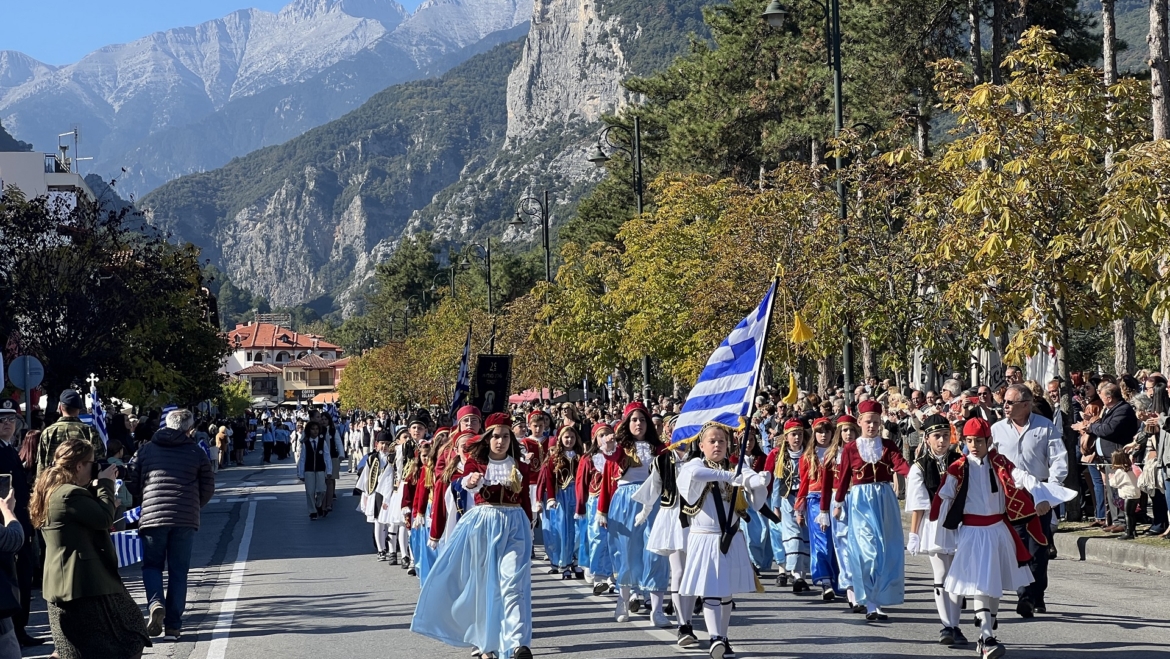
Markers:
190,99
10,143
310,218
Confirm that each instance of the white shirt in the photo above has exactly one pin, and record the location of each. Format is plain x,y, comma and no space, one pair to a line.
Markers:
870,449
1037,450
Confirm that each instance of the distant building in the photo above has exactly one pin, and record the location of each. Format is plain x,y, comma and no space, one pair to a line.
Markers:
43,174
282,365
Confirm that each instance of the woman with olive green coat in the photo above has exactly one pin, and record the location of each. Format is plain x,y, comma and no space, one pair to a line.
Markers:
90,612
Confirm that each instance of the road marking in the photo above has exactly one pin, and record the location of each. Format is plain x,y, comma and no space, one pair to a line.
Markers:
240,500
227,609
292,482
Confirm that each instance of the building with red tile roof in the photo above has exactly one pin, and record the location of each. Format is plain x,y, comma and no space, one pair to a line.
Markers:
281,364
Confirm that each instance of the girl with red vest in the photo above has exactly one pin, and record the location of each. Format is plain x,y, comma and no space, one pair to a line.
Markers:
597,558
783,464
479,591
556,488
816,465
637,570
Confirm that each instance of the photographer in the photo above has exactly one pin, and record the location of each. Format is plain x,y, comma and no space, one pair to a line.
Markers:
90,612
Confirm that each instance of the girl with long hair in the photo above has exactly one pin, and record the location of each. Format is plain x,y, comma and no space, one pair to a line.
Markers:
479,591
637,570
846,432
783,464
90,612
555,487
818,463
591,472
420,481
758,537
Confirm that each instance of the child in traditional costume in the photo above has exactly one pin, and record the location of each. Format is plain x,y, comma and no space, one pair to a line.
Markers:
817,464
757,527
479,591
376,483
717,563
982,496
927,536
421,496
555,487
598,558
784,464
865,501
637,570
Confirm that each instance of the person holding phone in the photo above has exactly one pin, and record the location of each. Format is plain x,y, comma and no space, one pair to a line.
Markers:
90,612
11,540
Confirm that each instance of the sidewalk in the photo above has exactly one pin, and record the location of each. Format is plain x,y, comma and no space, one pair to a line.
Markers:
1078,542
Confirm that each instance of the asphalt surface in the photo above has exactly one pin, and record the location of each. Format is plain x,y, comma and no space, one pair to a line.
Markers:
267,582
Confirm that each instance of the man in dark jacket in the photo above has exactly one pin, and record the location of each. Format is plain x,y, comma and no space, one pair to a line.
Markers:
172,477
1116,427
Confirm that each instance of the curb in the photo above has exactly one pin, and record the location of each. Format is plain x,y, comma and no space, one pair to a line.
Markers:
1111,551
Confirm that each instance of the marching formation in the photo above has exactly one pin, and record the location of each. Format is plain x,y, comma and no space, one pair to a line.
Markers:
680,529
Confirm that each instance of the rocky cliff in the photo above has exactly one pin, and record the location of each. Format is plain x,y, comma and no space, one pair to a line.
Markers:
310,218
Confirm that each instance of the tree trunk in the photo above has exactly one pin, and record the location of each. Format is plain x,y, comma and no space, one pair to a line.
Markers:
923,129
1109,41
826,375
1164,335
998,10
868,360
1124,359
976,42
816,153
1159,72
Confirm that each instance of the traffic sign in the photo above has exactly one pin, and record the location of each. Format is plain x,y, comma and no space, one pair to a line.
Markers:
26,372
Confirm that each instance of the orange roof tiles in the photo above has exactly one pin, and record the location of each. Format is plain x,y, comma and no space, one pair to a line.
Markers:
260,369
265,335
310,361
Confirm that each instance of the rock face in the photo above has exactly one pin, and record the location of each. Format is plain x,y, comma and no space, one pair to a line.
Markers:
312,217
571,71
190,99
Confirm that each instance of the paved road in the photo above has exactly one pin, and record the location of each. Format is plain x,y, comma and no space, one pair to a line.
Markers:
268,583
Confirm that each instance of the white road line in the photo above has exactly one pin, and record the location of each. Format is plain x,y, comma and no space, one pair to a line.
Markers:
292,482
240,500
227,609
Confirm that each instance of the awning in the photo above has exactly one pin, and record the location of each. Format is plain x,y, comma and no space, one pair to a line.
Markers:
532,395
325,398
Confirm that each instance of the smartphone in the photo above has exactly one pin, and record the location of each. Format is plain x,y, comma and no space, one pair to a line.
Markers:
5,485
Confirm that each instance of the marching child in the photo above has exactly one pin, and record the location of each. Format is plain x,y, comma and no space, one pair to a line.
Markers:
816,465
598,559
717,563
784,464
479,591
980,498
929,537
555,488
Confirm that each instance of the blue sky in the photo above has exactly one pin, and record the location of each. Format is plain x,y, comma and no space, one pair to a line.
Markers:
62,31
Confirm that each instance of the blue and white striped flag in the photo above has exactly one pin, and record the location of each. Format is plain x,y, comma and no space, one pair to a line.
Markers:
463,382
727,384
128,547
162,422
99,414
132,515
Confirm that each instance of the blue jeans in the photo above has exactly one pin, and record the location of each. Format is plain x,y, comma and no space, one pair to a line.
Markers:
1097,476
169,547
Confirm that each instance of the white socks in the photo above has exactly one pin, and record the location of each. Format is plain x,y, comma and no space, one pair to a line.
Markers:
986,610
380,537
949,605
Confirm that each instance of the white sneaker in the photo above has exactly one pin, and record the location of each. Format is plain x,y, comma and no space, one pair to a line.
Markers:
659,619
622,612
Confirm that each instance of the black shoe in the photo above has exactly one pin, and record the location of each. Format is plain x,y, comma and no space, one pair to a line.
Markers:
882,616
957,634
313,516
872,616
27,641
686,636
946,636
635,604
799,586
1040,607
989,648
1127,536
730,650
718,648
782,580
579,575
382,556
698,608
567,575
411,571
1157,529
522,652
392,559
554,570
827,594
1025,608
668,608
600,588
858,608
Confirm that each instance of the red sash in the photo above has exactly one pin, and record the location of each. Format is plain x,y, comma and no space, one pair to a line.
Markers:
1022,554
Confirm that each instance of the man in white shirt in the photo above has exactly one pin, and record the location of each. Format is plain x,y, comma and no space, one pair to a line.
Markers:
1033,444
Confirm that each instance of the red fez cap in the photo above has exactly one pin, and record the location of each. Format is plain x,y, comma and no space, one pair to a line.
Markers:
635,406
976,427
460,435
468,410
869,406
497,419
598,427
536,412
793,424
845,418
440,431
823,421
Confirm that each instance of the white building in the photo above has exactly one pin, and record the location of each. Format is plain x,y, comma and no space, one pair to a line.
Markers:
283,365
43,174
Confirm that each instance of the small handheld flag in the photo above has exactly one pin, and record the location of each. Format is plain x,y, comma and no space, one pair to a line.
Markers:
463,381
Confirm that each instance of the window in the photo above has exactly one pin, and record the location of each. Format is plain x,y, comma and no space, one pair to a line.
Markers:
249,357
264,386
282,357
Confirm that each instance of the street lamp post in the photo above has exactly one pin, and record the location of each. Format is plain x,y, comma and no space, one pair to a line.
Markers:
775,15
542,211
487,258
599,158
450,274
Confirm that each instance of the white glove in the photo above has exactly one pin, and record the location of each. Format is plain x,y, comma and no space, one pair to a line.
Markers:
578,517
417,522
536,507
822,520
552,504
839,512
602,520
913,544
641,517
406,513
432,544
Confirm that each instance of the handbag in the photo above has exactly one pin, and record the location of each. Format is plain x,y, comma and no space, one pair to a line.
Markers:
1147,481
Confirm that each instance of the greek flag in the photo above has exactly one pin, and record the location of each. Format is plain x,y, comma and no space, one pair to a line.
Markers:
463,382
162,422
128,547
132,515
99,414
727,384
